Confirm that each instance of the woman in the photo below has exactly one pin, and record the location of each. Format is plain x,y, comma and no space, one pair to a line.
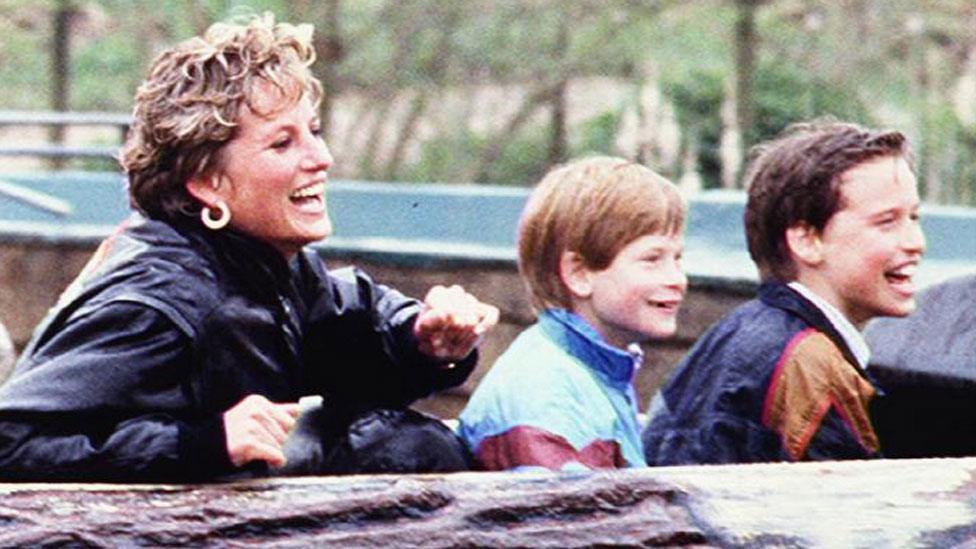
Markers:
182,349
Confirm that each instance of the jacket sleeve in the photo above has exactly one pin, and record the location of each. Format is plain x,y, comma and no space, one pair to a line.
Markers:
103,398
818,403
360,350
525,447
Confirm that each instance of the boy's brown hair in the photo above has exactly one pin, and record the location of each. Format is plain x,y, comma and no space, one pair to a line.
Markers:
796,178
594,207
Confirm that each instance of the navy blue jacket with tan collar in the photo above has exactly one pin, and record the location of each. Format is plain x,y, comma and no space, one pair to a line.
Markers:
772,381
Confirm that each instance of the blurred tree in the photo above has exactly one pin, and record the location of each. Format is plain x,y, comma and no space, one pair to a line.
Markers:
329,48
63,14
498,90
746,46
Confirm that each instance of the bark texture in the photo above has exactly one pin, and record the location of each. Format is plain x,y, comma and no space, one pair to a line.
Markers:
893,503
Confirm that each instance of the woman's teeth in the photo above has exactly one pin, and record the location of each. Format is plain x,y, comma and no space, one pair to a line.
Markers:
308,192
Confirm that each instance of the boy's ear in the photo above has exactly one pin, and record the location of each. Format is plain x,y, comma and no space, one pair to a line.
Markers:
208,189
575,275
804,244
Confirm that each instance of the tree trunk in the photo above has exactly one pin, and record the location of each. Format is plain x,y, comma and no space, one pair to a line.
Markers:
60,70
887,503
557,134
730,142
928,158
417,107
329,48
746,45
435,71
368,161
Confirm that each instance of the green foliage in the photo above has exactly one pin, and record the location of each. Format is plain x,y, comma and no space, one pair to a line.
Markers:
521,161
947,152
966,167
783,95
101,74
879,62
597,135
23,72
442,158
697,98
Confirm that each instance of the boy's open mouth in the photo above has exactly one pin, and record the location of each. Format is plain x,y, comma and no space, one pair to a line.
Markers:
667,305
901,275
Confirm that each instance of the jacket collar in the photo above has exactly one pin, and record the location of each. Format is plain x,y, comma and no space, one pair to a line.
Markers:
781,296
853,338
241,255
570,332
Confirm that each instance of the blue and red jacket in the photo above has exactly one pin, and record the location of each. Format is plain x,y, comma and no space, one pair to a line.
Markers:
772,381
559,398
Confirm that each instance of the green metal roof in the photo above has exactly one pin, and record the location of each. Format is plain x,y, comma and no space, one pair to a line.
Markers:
426,223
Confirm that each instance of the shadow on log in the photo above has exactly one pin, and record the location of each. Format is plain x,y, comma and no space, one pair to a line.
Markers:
842,504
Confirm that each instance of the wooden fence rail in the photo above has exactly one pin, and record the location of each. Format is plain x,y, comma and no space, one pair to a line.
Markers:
53,119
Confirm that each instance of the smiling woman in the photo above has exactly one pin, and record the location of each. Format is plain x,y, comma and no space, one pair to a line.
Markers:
181,350
271,176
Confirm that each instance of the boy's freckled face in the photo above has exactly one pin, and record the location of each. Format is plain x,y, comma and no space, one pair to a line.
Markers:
637,296
872,245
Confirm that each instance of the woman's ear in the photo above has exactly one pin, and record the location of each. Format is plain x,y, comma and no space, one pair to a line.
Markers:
804,244
207,189
574,274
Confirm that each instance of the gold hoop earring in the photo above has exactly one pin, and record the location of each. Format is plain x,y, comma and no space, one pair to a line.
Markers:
220,222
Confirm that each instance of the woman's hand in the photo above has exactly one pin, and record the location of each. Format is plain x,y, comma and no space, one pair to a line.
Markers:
452,323
257,428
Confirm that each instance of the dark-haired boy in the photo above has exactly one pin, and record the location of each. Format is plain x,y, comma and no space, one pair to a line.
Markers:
832,224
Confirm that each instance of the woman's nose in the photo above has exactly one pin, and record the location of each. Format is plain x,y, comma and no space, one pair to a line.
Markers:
318,156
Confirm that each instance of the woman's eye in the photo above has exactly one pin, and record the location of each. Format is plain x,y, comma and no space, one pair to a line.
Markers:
281,143
316,131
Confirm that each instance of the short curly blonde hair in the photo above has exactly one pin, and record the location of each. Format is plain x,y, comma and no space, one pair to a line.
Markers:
594,207
188,107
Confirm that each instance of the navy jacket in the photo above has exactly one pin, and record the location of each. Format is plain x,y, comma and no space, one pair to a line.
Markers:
772,381
169,326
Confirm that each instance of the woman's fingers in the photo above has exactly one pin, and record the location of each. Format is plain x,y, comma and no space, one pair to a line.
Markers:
256,429
488,318
452,322
259,451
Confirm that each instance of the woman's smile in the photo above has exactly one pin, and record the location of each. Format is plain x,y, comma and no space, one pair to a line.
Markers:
276,169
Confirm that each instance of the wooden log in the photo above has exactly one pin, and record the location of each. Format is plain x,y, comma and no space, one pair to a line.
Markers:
893,503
